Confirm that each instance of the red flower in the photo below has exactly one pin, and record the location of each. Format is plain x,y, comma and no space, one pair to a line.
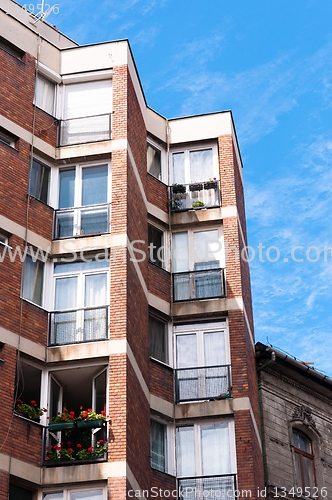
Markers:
81,407
85,414
89,409
90,449
103,412
58,448
48,458
19,401
100,441
79,445
59,413
72,413
64,417
70,450
33,402
48,448
69,443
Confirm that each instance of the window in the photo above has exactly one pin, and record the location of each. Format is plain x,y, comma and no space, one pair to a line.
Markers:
18,493
32,281
10,48
87,188
156,246
202,361
304,460
80,302
3,240
7,138
158,434
39,181
197,165
45,94
158,339
28,382
206,449
95,494
87,111
197,266
154,161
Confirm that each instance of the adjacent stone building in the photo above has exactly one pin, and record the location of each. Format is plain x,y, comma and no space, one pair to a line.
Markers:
296,420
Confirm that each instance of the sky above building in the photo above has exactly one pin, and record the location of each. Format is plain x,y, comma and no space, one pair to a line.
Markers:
270,62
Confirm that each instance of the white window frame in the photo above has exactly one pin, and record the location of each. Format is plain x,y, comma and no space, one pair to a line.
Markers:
67,491
199,329
166,264
170,462
186,151
78,167
191,232
38,100
163,162
46,164
198,444
168,341
44,282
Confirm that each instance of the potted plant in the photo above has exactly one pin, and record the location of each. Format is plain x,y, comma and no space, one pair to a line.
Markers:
30,411
196,186
176,204
178,188
211,183
89,418
63,420
197,204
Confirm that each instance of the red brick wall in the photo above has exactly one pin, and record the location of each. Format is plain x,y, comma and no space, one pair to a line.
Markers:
159,282
8,370
4,481
117,407
157,193
164,482
161,381
26,441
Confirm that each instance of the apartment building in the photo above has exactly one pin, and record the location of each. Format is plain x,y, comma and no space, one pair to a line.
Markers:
126,309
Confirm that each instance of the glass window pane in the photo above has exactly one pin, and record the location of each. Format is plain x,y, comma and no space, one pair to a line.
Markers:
53,496
179,176
215,449
38,181
94,185
88,99
154,161
33,276
17,493
76,267
206,246
158,445
87,495
180,252
156,249
214,348
201,165
186,351
157,334
66,293
45,94
67,188
95,290
185,451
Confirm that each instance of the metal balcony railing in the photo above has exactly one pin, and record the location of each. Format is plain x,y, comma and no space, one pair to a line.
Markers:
195,196
81,221
85,129
208,382
78,325
221,487
194,285
64,445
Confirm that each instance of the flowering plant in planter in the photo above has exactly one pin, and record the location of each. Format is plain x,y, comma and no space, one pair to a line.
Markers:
89,414
212,183
64,416
31,411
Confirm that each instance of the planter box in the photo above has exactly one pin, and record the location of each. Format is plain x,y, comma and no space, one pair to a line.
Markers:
211,185
196,187
179,189
89,424
61,426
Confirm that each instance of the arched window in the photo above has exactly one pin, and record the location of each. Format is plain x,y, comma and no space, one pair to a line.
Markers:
304,460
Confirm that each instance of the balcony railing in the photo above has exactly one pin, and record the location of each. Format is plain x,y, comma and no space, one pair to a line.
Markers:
78,325
194,285
69,444
222,487
85,129
194,196
208,382
81,221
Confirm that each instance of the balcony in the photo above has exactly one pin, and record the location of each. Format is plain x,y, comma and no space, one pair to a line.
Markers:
194,285
81,221
86,129
194,196
198,384
68,444
222,487
79,325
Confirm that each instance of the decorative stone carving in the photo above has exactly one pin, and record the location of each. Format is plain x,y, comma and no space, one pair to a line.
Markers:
304,414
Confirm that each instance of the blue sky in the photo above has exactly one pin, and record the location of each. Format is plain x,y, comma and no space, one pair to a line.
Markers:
270,62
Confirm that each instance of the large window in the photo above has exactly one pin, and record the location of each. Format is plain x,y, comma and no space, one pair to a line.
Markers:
85,187
197,259
304,461
158,442
80,302
95,494
202,361
196,165
87,112
39,180
154,161
32,280
45,94
19,493
156,246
